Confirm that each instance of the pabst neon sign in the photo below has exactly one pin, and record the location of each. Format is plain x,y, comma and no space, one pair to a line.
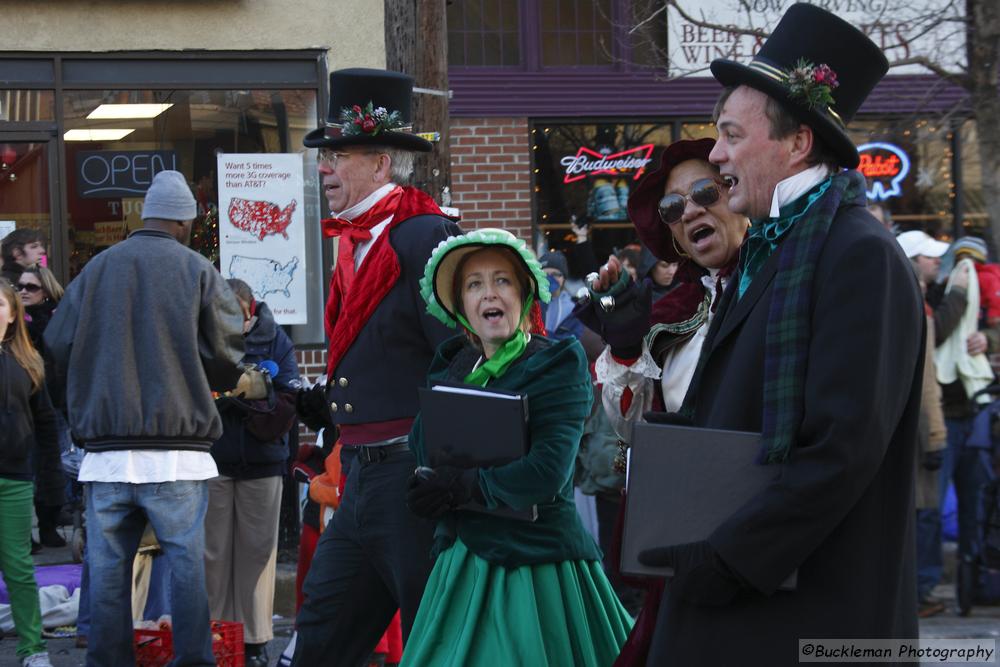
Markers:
590,163
884,166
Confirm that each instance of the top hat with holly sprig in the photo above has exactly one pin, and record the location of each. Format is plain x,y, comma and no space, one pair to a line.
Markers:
819,67
368,107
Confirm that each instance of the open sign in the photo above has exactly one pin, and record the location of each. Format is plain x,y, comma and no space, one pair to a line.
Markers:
113,174
884,166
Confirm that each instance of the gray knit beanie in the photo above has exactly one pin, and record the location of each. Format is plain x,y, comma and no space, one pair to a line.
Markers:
169,198
555,260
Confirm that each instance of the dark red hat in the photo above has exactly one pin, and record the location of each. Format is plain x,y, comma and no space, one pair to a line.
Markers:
643,204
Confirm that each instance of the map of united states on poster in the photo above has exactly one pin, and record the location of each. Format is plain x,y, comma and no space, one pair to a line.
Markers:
261,229
260,218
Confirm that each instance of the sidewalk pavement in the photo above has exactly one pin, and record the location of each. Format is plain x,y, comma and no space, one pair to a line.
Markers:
982,622
63,651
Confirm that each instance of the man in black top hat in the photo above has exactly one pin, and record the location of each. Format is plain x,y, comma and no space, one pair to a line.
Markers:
374,556
814,347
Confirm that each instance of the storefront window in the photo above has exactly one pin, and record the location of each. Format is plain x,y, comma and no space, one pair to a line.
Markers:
111,160
117,140
585,172
25,106
704,130
25,199
908,167
974,219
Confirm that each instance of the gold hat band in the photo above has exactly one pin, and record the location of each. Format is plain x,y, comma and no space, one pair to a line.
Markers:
768,70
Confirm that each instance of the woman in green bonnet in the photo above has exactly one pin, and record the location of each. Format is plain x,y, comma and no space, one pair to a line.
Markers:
504,591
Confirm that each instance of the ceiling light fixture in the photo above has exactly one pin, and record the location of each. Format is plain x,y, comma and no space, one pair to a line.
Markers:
108,111
97,135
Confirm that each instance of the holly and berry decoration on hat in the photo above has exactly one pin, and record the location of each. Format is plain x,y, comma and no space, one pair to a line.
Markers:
812,85
368,120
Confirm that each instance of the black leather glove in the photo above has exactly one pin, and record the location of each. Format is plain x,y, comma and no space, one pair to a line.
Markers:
623,326
312,407
700,576
932,460
432,492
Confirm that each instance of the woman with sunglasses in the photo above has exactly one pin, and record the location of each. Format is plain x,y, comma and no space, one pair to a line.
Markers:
40,292
681,215
27,422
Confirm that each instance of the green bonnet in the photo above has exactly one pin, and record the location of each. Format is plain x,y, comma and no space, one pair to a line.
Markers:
436,287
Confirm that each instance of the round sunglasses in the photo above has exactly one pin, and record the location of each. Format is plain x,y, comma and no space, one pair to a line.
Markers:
704,192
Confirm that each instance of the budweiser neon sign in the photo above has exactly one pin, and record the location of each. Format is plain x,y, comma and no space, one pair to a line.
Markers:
590,163
884,166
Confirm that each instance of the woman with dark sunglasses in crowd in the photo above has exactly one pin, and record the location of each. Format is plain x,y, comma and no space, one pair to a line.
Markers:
681,214
40,292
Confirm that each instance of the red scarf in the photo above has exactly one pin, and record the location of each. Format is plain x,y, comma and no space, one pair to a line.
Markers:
353,232
353,298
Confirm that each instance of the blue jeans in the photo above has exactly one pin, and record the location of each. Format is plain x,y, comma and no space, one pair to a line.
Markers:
83,614
970,469
116,517
158,597
157,600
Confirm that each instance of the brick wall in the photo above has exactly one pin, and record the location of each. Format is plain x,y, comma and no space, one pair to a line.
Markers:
491,173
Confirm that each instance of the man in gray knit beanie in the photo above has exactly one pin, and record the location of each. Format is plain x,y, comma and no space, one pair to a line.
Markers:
169,206
143,336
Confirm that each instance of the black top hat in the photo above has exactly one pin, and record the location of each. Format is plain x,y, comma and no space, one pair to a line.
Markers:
368,107
795,64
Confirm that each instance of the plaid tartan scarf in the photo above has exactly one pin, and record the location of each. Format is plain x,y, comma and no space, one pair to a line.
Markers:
804,225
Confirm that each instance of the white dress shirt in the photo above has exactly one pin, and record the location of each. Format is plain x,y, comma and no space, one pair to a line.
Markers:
795,186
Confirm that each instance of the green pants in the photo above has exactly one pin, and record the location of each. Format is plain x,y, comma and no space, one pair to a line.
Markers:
17,566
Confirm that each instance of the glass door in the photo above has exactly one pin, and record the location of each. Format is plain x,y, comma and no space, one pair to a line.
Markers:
26,197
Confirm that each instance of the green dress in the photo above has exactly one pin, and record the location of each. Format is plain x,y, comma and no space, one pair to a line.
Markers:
508,592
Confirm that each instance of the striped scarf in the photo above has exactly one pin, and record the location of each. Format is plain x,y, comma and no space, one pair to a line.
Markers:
786,345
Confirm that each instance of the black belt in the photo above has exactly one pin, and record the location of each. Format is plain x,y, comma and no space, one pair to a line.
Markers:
379,453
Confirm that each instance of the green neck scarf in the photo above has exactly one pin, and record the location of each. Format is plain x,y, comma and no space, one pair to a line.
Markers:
508,353
766,233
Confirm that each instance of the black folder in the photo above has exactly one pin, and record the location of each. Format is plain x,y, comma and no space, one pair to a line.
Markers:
470,427
684,482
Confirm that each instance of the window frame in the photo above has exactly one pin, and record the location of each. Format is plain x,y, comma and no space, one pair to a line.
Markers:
529,23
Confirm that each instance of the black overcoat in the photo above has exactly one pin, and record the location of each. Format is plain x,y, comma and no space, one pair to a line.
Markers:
841,511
